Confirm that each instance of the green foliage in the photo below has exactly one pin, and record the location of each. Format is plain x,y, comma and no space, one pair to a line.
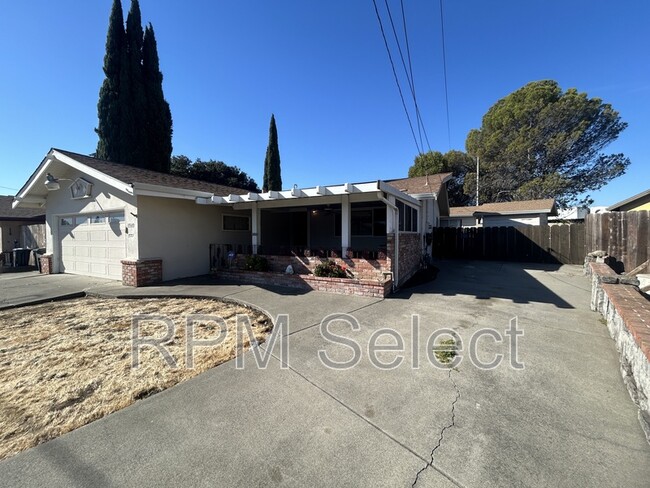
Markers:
456,162
256,263
272,174
135,124
159,122
213,172
329,269
109,107
541,142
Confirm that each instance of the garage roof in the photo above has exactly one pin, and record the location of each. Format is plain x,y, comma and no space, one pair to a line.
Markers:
420,185
507,208
131,175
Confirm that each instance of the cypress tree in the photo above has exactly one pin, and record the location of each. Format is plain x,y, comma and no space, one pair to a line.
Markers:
159,117
272,174
134,136
109,107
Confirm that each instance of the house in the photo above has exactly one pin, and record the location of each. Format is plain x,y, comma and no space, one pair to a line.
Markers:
20,227
139,226
502,214
637,202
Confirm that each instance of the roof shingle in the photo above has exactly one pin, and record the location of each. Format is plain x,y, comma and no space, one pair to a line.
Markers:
522,206
131,174
420,184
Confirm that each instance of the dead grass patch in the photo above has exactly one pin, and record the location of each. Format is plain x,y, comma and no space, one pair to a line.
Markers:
68,364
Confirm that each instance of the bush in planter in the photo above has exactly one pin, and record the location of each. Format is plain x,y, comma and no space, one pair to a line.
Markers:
329,269
256,263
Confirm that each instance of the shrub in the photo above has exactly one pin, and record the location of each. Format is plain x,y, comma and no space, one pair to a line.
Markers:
256,263
329,269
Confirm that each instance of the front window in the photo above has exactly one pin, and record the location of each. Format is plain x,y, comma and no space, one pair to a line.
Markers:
236,222
408,217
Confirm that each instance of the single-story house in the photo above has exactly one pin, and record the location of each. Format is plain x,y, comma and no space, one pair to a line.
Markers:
569,215
117,221
502,214
637,202
20,227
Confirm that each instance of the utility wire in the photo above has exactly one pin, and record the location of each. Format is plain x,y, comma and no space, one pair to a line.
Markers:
444,67
412,78
7,188
399,87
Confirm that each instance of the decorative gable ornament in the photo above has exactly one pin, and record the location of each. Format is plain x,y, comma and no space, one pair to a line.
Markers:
81,188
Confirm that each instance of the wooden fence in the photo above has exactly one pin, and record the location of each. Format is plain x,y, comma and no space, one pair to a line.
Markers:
540,243
624,235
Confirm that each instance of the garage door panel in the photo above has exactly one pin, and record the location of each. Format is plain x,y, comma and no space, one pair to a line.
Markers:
93,249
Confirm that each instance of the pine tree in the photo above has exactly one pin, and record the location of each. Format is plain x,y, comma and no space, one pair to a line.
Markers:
159,117
135,135
109,107
272,174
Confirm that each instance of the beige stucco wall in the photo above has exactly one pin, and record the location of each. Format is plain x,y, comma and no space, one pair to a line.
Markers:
180,233
103,198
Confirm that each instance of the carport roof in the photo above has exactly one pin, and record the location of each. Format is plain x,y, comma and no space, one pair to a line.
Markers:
15,214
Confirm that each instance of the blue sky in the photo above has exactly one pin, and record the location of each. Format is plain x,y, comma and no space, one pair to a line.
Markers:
322,68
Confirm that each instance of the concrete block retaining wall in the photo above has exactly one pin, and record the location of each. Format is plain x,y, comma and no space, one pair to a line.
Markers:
627,312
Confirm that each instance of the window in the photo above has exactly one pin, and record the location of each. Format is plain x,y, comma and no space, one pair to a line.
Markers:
116,217
408,217
82,220
235,222
364,222
66,222
98,219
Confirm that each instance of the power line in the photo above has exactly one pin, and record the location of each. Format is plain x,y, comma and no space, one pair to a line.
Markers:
399,87
444,67
410,78
7,188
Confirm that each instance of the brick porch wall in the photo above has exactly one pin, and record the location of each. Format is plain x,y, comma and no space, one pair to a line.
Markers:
362,269
141,272
410,253
343,286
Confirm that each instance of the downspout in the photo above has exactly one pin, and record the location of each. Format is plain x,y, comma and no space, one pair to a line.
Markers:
396,257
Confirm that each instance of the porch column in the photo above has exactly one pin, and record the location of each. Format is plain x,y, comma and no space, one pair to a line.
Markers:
255,227
345,224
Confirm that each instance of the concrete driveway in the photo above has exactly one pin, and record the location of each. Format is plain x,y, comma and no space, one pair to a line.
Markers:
17,289
564,420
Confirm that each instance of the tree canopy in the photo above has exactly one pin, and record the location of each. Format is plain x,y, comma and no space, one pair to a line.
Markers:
213,172
542,142
272,173
135,125
456,162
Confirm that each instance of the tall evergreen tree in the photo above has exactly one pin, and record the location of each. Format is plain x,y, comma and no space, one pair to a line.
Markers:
272,174
135,132
109,107
159,116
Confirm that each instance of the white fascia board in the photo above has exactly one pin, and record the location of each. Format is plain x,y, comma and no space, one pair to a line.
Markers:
487,213
425,196
36,177
103,177
405,197
168,192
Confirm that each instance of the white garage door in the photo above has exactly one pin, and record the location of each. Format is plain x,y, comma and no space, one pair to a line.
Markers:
93,245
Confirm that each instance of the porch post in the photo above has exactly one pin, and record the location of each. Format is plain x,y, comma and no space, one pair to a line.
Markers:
255,227
345,224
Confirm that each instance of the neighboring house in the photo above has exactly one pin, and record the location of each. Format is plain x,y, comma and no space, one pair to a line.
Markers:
20,227
637,202
117,221
502,214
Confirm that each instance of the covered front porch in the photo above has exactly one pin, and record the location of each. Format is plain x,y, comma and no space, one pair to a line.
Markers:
360,226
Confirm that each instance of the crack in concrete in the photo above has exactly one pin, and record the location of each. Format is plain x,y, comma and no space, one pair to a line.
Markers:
442,432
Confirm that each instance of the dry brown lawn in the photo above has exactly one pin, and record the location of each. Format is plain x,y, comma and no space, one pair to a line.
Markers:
66,364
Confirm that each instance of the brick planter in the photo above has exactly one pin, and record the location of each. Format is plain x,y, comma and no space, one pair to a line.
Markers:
343,286
141,272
